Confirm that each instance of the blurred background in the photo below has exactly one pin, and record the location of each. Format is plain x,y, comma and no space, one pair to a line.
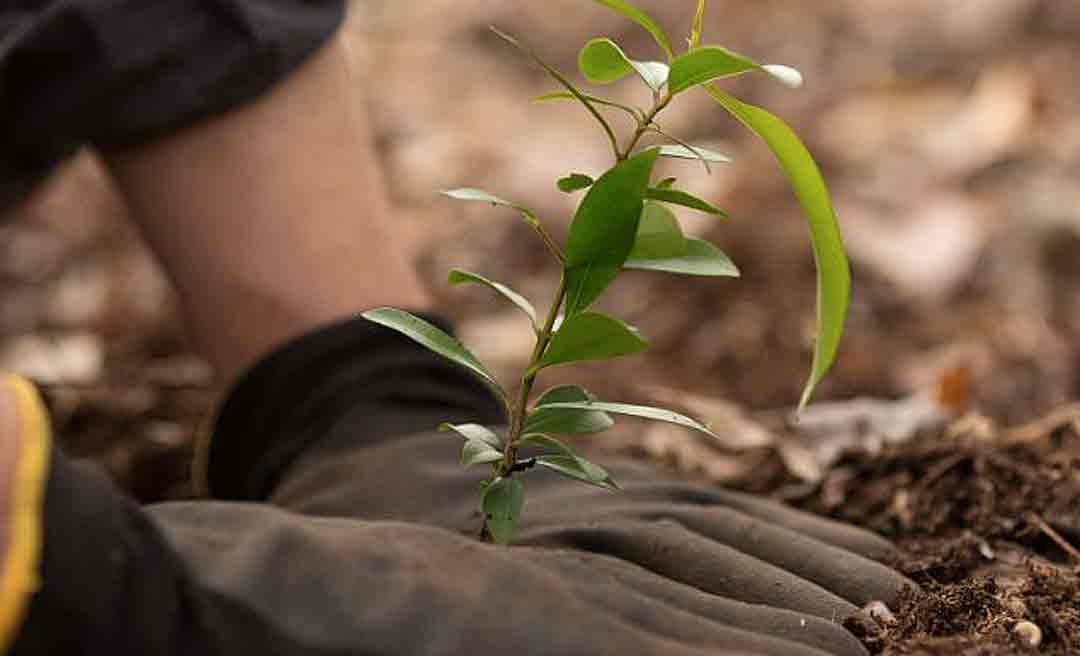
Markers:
949,135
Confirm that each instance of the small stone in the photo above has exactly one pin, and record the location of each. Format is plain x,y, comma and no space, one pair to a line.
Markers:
1029,633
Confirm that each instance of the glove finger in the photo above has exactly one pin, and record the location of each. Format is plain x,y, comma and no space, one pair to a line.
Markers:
848,574
744,625
838,534
670,550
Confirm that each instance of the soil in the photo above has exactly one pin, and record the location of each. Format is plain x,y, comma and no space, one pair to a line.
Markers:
950,139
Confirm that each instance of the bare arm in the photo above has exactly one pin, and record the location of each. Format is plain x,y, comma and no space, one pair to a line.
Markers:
271,219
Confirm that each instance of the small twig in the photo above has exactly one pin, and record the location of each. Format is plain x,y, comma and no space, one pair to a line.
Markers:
656,128
1049,531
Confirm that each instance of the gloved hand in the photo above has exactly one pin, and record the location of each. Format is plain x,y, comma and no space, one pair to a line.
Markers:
682,539
336,586
334,425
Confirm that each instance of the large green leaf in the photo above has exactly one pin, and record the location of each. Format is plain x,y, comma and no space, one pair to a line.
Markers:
578,468
601,60
709,63
701,259
659,235
434,339
642,19
563,421
833,274
603,229
591,336
682,152
459,276
677,197
474,432
501,504
643,411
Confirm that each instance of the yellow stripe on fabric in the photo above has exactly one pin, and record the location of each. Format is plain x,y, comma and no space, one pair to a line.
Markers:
19,574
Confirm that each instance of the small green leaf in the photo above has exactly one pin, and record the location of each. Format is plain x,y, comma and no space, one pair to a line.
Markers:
474,433
604,228
476,452
709,63
643,411
666,183
434,339
459,276
575,182
501,504
562,421
578,468
682,152
833,273
591,336
659,235
636,112
698,25
642,19
548,443
603,61
701,259
676,197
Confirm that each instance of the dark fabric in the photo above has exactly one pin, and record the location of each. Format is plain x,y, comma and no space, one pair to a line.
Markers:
365,542
298,394
107,72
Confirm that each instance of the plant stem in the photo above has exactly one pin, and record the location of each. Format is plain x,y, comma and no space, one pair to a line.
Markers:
643,127
517,416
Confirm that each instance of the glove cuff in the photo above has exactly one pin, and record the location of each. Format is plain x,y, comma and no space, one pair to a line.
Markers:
294,396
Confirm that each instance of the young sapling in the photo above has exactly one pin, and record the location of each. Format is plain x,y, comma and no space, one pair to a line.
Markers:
624,221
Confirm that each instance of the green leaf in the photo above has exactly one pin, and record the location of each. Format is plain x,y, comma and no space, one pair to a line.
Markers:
676,197
666,183
604,228
658,235
601,60
434,340
643,411
474,433
546,442
682,152
701,259
578,468
575,182
459,276
501,504
476,452
637,113
710,63
562,421
834,276
698,25
591,336
642,19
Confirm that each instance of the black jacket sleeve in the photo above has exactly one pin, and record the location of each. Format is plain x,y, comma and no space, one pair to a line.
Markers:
78,72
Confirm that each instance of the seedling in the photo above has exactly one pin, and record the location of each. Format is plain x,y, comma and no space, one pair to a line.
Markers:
623,222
